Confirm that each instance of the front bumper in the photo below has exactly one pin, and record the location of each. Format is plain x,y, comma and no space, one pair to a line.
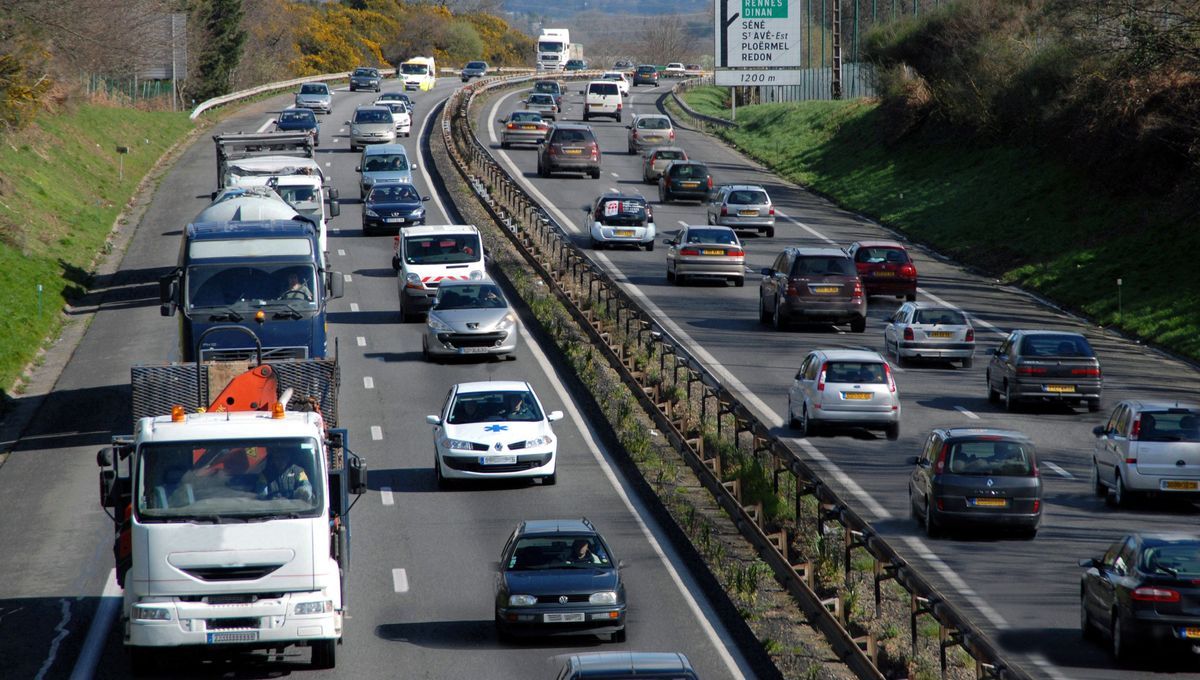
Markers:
530,621
323,107
362,140
267,623
933,350
394,223
468,465
453,343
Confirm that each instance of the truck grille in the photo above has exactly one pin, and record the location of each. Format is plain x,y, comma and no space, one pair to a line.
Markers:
231,624
232,573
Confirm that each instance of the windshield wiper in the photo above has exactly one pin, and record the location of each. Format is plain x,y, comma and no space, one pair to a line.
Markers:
227,315
291,313
1173,573
280,515
204,519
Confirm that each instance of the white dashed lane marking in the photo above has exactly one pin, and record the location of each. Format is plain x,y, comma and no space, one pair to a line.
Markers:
347,278
385,495
400,580
341,252
368,382
362,342
354,306
966,413
376,432
1058,470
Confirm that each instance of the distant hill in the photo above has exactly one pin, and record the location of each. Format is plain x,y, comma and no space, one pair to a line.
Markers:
569,8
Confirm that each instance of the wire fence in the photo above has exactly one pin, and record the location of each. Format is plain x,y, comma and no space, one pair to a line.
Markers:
130,89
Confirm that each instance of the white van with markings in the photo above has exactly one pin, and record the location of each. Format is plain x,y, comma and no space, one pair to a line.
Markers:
602,98
426,256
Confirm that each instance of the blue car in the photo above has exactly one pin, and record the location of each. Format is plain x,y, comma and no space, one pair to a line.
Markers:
559,577
299,120
391,206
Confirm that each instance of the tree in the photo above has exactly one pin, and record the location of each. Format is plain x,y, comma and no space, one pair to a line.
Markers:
221,49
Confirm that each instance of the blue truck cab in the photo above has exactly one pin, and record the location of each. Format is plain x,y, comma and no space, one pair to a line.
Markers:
267,276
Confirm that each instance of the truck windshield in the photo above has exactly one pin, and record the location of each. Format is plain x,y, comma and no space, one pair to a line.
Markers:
550,47
233,479
414,69
251,285
441,249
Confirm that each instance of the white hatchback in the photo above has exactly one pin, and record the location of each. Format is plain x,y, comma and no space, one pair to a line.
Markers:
1148,447
847,387
494,430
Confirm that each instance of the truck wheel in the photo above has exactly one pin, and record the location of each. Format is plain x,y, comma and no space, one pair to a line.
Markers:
324,654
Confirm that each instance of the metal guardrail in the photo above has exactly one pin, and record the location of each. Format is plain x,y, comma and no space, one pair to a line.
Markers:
685,85
623,330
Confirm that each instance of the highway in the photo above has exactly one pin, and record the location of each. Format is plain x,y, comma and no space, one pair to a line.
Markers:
421,581
1024,593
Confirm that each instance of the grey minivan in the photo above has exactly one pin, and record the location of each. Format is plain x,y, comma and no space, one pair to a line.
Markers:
383,163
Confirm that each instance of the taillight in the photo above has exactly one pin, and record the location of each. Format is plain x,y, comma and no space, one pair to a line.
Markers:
618,106
908,334
1037,504
1152,594
735,253
1030,370
887,370
511,126
689,252
724,211
1137,428
908,271
970,335
858,292
792,289
939,466
671,135
595,149
771,211
1091,372
1131,461
821,378
551,151
710,182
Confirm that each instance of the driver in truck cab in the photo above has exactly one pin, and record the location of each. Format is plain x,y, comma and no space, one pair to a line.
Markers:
282,477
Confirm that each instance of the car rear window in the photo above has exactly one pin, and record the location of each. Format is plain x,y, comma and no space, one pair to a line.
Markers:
672,155
546,86
991,457
1180,559
945,317
647,69
571,136
1175,425
748,197
1055,346
527,117
689,170
823,265
653,124
878,255
859,372
711,236
623,211
603,88
541,99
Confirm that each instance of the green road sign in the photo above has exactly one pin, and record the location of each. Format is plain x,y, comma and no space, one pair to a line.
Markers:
765,9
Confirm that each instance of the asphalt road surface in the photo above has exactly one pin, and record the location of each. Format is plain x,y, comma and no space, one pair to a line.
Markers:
1024,593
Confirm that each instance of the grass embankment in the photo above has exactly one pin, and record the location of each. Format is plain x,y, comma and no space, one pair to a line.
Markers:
59,195
1017,213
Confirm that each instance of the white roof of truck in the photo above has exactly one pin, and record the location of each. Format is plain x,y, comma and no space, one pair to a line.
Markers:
237,425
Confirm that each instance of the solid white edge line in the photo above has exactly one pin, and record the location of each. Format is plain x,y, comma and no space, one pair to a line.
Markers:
420,150
93,644
264,126
702,614
400,580
385,495
918,546
966,413
1058,470
807,228
368,382
1048,667
376,433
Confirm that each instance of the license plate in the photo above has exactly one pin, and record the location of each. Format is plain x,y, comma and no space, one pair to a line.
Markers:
393,220
941,334
1179,485
825,290
474,350
573,617
883,274
748,213
233,636
652,139
497,460
1190,633
989,502
859,396
713,252
528,127
573,152
689,185
1060,388
624,232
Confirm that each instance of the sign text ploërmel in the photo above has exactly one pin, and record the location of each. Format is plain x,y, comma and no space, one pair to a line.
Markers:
756,34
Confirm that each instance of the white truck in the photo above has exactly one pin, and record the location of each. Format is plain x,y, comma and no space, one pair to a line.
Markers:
232,526
554,49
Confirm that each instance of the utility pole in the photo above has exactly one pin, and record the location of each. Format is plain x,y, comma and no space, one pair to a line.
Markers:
836,84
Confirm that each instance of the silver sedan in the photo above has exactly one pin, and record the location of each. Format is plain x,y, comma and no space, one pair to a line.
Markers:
523,127
470,318
706,252
743,207
543,104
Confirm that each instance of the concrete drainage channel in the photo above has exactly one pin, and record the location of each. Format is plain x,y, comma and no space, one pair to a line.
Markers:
770,493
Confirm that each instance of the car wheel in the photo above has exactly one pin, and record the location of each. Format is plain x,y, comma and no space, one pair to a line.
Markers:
442,482
770,232
710,218
993,396
618,636
1121,648
859,325
503,145
1010,399
778,320
145,661
542,171
1119,496
585,117
932,527
395,263
1028,534
502,633
1086,628
892,431
405,315
649,245
1098,487
900,360
739,281
763,316
550,480
670,275
806,426
1093,405
324,654
596,173
792,422
596,245
968,362
679,279
910,297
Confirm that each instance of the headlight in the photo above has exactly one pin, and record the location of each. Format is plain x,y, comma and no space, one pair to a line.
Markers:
413,281
419,212
438,325
476,275
606,597
144,613
545,440
507,322
304,608
370,213
459,444
521,600
354,129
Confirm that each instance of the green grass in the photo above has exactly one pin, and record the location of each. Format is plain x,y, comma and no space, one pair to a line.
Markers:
1015,212
59,196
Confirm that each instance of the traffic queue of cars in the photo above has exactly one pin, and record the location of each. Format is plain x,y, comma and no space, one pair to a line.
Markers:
1142,590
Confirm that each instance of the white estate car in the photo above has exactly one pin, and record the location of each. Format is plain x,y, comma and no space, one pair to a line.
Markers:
495,429
400,115
620,79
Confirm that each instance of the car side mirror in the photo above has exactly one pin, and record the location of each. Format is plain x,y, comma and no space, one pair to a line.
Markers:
554,415
358,168
913,460
766,271
620,564
424,198
1099,431
357,467
213,196
336,285
502,121
349,123
628,127
433,420
335,208
168,289
1090,562
104,457
996,352
333,193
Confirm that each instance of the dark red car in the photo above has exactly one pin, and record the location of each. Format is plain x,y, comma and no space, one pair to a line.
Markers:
885,268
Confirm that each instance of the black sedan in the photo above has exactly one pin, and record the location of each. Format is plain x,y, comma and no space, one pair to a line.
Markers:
392,206
976,477
559,577
1144,590
1039,365
299,120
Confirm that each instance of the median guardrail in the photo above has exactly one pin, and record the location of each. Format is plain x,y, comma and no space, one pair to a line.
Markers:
626,332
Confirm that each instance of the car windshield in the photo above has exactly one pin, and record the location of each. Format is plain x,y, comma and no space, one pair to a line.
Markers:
621,211
546,99
546,87
526,117
394,193
297,194
669,155
873,255
365,72
602,88
1055,346
572,136
654,123
476,65
725,236
1179,558
689,170
990,457
857,372
945,317
557,552
363,116
822,265
441,249
314,88
414,69
1174,425
243,286
297,117
228,480
748,197
487,407
481,296
385,162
